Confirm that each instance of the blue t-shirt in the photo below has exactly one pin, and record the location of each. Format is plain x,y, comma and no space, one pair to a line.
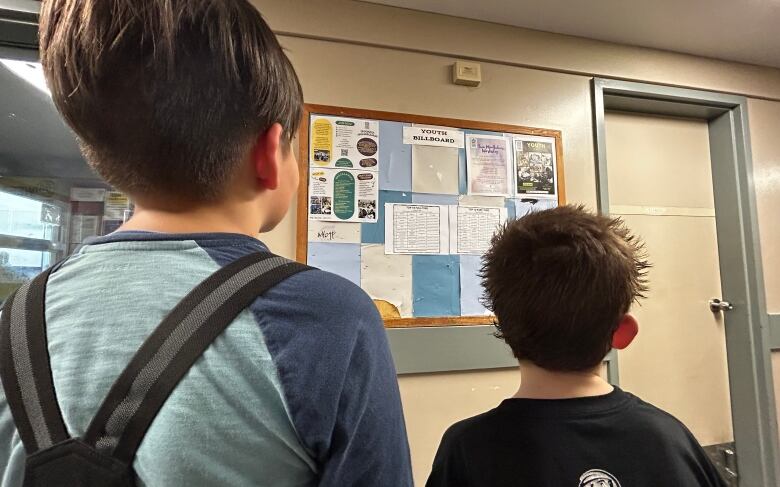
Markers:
299,390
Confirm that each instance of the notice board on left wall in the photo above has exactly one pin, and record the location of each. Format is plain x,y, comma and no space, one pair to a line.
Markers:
405,205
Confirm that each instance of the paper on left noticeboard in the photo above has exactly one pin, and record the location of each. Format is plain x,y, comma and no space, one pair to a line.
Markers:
417,229
488,159
472,228
537,166
338,142
343,195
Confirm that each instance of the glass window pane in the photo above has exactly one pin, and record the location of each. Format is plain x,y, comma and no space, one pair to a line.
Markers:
50,200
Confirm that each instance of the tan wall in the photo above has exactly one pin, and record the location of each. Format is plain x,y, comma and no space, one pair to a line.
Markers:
362,23
764,125
765,134
433,402
368,56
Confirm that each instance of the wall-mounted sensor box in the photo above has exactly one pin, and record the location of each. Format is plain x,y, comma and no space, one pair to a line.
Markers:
466,73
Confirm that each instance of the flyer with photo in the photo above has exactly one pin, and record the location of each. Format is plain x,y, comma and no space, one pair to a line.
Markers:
536,166
488,165
343,195
337,142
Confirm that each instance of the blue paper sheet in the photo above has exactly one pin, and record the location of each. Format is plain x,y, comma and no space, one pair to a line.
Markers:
374,233
525,206
511,210
338,258
395,158
463,184
436,285
471,289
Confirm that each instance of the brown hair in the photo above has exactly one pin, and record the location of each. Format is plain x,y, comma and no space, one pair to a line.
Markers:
559,281
167,96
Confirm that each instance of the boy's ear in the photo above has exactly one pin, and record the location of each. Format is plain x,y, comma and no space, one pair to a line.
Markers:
266,156
626,332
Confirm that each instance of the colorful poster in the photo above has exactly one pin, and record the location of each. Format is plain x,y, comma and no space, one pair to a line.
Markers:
536,166
117,206
439,137
344,143
343,195
416,229
472,228
488,165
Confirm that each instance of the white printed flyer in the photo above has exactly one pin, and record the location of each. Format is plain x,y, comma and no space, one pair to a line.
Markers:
416,229
439,137
343,195
472,228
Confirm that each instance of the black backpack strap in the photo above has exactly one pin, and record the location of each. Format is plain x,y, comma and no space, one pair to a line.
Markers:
25,369
165,357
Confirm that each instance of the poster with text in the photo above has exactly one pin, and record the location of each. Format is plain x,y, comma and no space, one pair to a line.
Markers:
536,166
416,229
472,228
343,195
440,137
344,143
488,165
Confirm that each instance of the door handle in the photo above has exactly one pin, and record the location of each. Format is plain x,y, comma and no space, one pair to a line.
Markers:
717,305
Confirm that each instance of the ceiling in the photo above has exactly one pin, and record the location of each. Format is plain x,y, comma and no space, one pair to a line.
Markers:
34,141
747,31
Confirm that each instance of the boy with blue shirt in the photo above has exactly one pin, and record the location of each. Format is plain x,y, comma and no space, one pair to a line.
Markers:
189,107
561,283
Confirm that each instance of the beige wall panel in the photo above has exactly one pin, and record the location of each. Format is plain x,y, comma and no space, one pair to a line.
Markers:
764,123
433,402
658,161
678,361
358,22
281,240
776,375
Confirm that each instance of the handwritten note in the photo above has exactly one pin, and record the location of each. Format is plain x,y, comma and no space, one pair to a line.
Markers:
334,232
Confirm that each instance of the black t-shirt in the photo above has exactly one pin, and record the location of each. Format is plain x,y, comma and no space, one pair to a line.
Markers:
606,441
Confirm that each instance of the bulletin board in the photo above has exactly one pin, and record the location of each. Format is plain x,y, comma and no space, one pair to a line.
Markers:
403,205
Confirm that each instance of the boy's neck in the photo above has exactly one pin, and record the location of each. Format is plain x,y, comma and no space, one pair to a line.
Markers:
539,383
222,218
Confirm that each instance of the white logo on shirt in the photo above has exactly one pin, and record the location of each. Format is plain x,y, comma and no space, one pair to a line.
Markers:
598,478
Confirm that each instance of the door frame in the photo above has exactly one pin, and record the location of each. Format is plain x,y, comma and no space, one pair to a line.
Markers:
747,327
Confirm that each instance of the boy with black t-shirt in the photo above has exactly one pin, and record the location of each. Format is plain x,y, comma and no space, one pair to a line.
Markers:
561,283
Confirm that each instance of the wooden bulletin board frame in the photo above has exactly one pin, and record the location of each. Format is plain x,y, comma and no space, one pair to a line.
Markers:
302,225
